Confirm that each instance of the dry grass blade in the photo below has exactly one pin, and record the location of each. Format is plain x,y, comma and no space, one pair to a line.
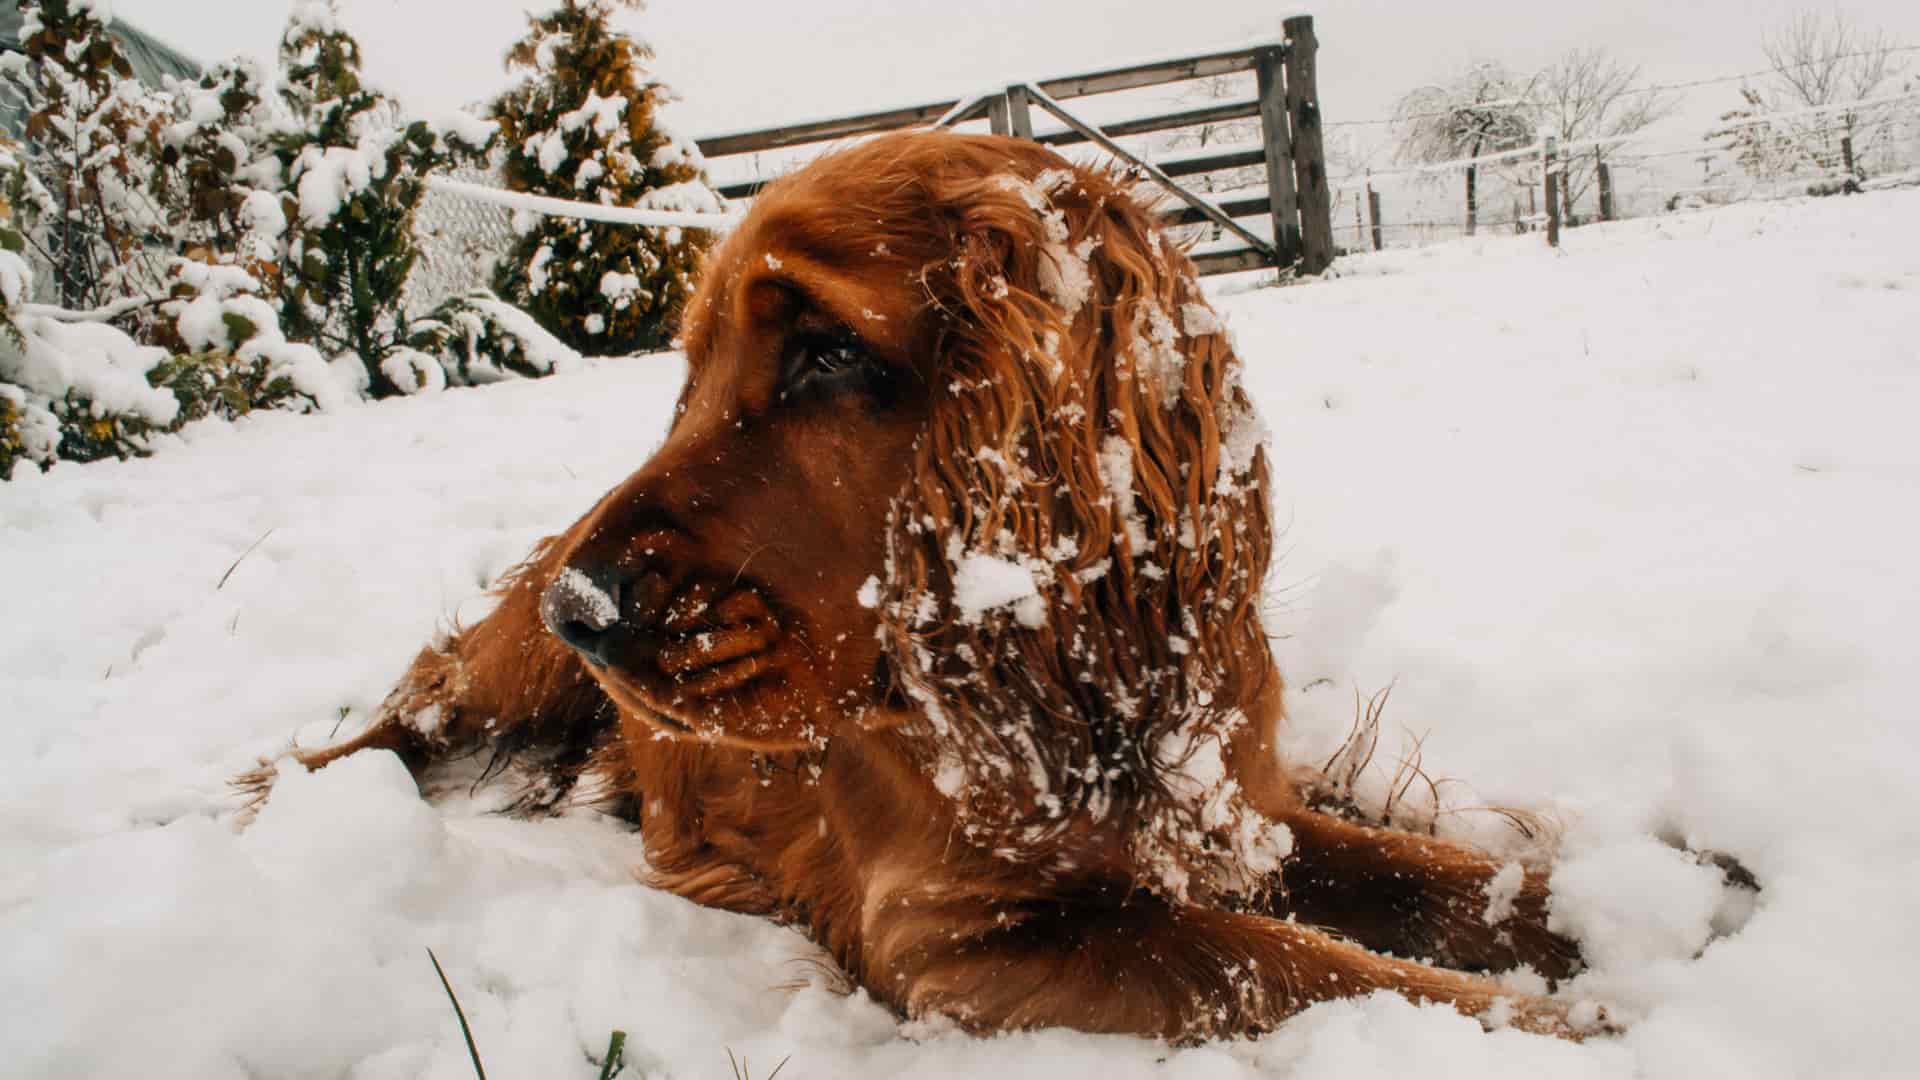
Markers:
741,1070
465,1031
241,559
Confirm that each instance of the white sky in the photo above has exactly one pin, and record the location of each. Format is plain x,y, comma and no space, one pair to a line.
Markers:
740,64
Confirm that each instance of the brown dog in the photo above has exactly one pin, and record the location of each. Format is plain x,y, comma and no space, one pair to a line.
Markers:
934,628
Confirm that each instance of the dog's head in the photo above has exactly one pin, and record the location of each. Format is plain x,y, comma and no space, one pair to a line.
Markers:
961,455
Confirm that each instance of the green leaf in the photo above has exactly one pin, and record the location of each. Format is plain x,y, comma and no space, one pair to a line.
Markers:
239,327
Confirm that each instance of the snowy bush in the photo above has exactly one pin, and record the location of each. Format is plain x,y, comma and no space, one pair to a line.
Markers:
219,247
355,177
221,177
481,339
237,359
580,125
91,135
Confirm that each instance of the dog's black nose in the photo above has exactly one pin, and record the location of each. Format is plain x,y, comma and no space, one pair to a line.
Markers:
580,608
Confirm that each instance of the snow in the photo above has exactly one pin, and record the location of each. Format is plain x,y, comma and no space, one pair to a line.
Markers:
94,360
596,604
1629,528
463,126
983,583
480,315
1502,891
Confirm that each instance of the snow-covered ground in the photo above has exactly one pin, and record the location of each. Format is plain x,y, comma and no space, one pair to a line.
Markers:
1630,528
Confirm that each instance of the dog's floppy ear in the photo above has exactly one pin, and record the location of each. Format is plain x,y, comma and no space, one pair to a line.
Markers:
1072,590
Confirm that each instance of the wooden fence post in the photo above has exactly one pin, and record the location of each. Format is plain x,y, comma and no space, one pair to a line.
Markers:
1373,211
1309,147
1846,155
1605,173
1549,154
999,117
1019,115
1277,137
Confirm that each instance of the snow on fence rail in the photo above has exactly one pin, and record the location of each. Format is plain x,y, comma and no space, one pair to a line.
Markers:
583,211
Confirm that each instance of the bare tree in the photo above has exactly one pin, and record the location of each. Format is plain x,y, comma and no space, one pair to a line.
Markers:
1218,90
1825,60
1481,109
1587,94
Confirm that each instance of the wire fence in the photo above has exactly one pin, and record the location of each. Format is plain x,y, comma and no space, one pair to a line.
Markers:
461,240
1748,154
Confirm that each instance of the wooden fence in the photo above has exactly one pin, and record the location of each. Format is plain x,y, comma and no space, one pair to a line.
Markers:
1295,200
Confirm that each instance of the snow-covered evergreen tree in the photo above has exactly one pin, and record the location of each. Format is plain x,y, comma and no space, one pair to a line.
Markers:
355,175
580,124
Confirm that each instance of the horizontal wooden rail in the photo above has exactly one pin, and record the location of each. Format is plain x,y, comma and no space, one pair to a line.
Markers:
747,142
1231,159
1227,262
1131,77
1233,208
744,189
1211,114
1151,74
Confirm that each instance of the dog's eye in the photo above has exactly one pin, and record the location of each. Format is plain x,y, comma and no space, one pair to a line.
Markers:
824,360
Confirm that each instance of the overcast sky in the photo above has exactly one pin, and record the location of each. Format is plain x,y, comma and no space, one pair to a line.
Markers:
741,64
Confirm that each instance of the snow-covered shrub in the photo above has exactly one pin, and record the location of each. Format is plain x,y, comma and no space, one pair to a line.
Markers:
91,139
579,124
80,389
96,382
222,179
28,432
481,339
355,176
77,390
235,358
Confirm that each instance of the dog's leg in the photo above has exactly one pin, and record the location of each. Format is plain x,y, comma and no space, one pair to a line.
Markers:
1394,891
1141,967
1416,896
504,683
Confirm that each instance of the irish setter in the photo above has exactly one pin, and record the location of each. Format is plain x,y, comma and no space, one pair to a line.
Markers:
933,628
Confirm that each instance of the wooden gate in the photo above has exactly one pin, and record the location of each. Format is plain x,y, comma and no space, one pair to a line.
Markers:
1295,199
